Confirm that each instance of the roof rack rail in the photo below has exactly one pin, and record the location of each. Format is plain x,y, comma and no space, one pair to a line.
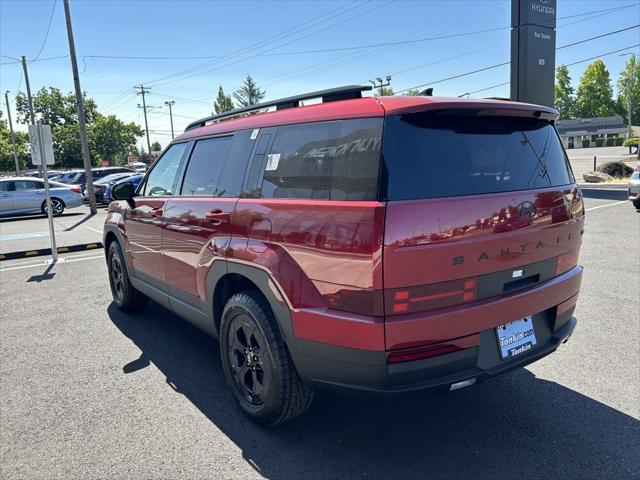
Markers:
498,98
330,95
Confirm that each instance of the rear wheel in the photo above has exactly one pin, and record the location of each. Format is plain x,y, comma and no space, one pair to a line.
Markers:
125,296
257,364
57,207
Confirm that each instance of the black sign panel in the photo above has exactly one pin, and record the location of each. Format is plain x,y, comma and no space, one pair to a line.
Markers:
533,51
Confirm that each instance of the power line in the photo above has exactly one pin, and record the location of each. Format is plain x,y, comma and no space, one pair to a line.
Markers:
46,35
598,36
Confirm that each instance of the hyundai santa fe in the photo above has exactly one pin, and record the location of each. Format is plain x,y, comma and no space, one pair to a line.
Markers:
386,245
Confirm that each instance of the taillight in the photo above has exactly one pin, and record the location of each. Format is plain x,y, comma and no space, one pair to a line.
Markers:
566,262
75,189
427,297
434,350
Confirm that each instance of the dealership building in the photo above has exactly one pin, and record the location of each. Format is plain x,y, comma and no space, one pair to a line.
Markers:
592,132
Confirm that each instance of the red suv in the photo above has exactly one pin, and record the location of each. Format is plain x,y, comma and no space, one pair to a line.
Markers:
387,244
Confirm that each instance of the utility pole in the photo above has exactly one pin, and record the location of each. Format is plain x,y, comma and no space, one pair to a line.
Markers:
170,104
380,84
31,114
142,92
80,107
13,140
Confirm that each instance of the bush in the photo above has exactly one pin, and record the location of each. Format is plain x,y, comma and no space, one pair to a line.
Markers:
619,141
631,142
599,142
585,143
615,169
610,141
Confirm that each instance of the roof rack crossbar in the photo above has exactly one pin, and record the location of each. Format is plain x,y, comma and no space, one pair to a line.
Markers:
330,95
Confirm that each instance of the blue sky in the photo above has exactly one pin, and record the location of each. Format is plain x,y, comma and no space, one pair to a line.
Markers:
205,44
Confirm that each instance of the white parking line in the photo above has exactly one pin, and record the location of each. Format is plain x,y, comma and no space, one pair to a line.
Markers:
41,264
94,229
606,205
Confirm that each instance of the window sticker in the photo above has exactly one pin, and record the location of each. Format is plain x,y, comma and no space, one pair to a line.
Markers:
272,161
254,133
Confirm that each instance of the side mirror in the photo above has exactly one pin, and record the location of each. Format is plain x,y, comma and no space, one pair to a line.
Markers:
123,191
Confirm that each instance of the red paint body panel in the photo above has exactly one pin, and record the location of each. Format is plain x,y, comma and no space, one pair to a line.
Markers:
314,249
441,325
144,232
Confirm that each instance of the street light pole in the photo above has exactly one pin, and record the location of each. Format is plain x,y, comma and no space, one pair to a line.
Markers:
170,104
86,159
13,140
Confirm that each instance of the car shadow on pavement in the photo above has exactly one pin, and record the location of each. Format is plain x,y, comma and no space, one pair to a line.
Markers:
516,427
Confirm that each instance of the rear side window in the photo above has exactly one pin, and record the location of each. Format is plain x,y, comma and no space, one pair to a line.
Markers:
206,167
430,156
162,177
336,160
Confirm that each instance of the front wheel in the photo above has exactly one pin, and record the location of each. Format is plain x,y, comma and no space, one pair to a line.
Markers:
257,364
57,207
126,297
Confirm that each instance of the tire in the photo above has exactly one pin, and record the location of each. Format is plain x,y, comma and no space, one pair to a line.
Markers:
57,206
257,364
127,298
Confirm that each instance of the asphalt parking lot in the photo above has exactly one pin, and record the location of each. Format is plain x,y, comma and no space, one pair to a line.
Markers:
89,392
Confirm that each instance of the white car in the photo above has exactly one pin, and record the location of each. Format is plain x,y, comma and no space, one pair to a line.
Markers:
634,188
23,195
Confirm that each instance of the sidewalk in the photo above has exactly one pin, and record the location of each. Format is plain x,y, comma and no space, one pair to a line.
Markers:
31,232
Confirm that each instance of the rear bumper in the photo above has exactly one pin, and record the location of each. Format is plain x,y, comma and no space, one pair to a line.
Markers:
323,364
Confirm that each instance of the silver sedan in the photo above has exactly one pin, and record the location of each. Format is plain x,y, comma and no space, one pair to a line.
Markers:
634,187
22,195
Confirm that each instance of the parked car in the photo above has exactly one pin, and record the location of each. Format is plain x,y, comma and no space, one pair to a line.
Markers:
634,188
97,173
358,243
134,180
100,185
67,177
139,167
50,174
22,195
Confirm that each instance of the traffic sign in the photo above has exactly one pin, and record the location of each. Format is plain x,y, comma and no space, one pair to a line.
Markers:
47,140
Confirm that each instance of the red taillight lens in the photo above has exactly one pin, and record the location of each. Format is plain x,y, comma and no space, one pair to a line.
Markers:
75,189
566,262
428,297
434,350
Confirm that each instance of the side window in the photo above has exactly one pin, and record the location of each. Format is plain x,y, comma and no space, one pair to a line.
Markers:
206,167
27,185
357,160
4,187
300,163
162,177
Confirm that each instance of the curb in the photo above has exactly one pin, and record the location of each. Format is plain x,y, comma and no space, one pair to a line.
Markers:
47,251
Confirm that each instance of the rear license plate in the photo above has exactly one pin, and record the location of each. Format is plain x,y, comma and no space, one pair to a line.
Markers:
516,338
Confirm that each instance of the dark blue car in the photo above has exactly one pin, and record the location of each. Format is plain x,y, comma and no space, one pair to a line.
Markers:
133,179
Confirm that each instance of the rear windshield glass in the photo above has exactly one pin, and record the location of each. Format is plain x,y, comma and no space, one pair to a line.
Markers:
429,156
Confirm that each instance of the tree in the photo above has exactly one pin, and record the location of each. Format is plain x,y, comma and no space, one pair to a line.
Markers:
109,138
383,91
413,92
595,93
249,93
223,103
564,93
155,146
7,163
629,90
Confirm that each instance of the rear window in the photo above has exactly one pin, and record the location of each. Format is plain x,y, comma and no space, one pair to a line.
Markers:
429,156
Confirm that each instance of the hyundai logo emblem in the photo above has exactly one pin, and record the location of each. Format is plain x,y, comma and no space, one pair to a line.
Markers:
526,210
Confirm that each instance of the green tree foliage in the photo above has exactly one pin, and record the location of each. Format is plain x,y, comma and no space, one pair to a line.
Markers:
109,138
7,163
223,103
564,94
249,93
156,147
629,90
413,92
383,92
594,97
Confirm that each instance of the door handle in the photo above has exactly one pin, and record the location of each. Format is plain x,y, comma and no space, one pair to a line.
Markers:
217,217
156,212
